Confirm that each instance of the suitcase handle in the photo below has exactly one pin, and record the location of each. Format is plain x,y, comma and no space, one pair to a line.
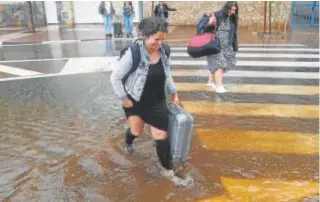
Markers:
173,107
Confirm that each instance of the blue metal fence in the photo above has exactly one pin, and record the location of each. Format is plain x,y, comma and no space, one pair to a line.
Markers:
305,13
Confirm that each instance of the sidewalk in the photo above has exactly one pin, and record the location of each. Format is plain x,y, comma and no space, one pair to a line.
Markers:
178,35
10,30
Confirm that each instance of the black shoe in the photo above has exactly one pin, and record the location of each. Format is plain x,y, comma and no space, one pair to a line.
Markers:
128,149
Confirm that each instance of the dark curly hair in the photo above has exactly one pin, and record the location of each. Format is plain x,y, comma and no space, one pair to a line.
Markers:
227,6
152,25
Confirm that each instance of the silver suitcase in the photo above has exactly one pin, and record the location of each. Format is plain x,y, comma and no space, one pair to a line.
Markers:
179,132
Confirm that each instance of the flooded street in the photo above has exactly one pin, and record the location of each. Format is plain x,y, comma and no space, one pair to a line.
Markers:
62,135
61,141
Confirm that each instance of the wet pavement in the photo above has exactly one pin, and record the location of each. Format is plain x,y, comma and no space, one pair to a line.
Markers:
177,35
61,135
10,30
98,48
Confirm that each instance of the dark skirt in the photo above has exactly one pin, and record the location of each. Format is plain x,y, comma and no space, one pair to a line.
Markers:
155,115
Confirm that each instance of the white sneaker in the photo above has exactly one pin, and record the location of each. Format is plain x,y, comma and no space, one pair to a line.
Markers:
211,85
221,89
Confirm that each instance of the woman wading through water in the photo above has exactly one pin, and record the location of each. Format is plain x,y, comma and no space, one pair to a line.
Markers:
144,94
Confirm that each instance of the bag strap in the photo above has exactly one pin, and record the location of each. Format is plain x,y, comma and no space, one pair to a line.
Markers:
135,50
136,56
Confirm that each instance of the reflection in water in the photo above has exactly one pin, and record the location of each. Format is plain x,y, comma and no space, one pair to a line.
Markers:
108,46
61,137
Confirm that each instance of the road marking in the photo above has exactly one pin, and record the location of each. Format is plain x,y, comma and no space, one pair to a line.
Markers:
62,42
277,45
202,63
252,88
17,71
42,76
261,49
265,189
258,141
257,55
51,59
91,64
251,63
250,74
251,109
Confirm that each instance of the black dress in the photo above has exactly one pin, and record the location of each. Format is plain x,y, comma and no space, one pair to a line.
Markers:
152,107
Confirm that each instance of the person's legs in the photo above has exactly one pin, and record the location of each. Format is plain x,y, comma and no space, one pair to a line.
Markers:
218,75
211,81
157,116
126,24
108,25
130,25
211,67
162,147
135,130
105,19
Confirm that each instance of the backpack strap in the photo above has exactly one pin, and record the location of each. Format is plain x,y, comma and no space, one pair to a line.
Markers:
136,56
135,50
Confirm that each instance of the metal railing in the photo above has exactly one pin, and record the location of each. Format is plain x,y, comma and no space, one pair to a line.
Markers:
305,13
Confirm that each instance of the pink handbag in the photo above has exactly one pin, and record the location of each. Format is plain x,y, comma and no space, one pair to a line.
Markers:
201,39
203,44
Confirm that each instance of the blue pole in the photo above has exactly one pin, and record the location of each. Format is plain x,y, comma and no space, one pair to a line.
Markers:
313,12
292,21
140,10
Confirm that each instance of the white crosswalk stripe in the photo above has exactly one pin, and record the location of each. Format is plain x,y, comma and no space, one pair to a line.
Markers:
250,63
271,49
248,56
258,55
305,58
17,71
254,74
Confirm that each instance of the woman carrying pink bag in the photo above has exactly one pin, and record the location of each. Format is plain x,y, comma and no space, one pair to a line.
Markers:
225,22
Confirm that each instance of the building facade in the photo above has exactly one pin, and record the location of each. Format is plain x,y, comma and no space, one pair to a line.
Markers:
251,12
14,13
58,12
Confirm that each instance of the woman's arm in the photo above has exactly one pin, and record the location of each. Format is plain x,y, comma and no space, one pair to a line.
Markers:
120,71
235,42
156,10
169,9
172,90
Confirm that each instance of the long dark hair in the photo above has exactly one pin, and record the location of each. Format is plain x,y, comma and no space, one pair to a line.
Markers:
227,6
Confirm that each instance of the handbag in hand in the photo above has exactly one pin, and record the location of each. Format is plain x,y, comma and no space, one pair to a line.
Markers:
203,44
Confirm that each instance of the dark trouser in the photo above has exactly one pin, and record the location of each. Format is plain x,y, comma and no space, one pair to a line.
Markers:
158,117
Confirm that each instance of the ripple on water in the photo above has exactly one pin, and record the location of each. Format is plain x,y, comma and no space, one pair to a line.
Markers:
51,128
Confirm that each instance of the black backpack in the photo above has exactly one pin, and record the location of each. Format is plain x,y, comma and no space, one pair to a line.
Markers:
135,50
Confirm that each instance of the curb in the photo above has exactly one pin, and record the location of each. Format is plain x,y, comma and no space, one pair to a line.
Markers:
74,41
60,41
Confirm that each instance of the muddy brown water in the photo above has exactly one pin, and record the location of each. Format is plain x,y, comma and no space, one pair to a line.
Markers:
61,137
